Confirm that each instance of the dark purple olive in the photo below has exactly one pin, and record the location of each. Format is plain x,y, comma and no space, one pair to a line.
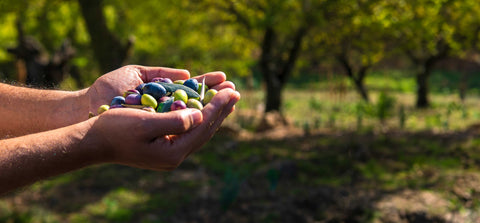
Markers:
139,88
162,79
118,100
133,99
131,91
155,90
116,106
163,99
178,105
191,83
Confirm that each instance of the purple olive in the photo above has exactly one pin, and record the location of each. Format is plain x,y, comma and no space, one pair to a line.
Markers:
131,91
133,99
162,79
191,83
118,100
116,106
163,99
178,105
140,87
154,89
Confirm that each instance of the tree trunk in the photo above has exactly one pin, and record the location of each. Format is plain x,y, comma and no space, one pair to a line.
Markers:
108,49
362,90
35,66
357,79
274,94
463,86
422,89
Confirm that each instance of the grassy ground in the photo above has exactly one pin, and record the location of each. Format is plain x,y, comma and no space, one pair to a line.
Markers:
338,162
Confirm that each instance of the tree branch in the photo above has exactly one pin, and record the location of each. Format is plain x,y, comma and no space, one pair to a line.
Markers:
294,51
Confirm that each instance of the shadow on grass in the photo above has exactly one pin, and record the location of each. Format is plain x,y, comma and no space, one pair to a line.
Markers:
325,176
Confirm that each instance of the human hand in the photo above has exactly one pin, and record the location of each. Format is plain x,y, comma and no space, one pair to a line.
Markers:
158,141
128,77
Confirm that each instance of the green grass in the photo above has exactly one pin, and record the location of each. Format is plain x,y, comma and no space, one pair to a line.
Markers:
333,103
235,179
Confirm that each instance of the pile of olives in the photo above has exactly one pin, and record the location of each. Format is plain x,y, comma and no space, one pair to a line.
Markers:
163,95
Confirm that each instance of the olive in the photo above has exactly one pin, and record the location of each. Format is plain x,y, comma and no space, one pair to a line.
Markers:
180,95
133,99
164,106
194,103
163,99
116,106
178,105
140,87
179,82
148,100
191,83
118,100
154,89
149,109
132,91
103,109
199,91
209,95
162,79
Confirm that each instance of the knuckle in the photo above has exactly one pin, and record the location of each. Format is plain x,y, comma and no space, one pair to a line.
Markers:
183,121
174,162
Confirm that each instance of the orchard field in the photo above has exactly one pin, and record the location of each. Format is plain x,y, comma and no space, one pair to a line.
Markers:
351,110
334,169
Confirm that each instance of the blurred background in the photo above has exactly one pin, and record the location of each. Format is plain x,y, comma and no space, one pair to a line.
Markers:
351,110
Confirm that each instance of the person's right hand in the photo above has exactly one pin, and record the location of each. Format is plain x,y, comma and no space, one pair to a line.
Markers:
158,141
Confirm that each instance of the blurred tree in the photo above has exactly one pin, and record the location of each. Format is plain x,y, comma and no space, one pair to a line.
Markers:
44,62
109,51
279,29
38,68
354,35
180,33
428,31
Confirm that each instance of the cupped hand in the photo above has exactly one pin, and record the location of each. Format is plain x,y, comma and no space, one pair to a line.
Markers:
159,141
128,77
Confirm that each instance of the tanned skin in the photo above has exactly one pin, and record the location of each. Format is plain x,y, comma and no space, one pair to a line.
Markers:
47,132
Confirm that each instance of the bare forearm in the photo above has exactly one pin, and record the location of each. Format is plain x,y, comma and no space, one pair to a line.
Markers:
26,159
24,110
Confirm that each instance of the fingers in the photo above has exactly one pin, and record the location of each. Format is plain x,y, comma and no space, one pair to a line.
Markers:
216,79
148,73
224,85
213,115
172,123
212,78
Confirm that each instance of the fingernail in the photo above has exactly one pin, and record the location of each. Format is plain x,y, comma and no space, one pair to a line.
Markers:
234,97
196,117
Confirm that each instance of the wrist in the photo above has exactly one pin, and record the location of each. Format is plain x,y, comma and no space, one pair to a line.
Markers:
91,142
72,109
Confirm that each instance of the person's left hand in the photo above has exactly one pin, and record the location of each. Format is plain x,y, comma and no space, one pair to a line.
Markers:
128,77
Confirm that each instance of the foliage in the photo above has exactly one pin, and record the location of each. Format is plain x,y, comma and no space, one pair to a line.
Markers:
384,106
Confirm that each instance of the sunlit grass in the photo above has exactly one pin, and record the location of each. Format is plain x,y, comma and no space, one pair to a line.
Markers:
426,155
318,108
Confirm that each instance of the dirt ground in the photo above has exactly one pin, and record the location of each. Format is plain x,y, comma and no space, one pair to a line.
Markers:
285,175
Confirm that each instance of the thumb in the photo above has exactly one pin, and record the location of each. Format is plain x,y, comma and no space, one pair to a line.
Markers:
174,122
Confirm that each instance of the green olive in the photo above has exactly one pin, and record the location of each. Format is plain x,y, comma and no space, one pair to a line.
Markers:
180,95
193,103
148,100
103,109
179,82
149,109
209,95
199,91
